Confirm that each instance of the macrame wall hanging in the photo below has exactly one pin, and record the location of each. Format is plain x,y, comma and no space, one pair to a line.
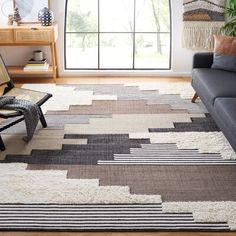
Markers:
202,19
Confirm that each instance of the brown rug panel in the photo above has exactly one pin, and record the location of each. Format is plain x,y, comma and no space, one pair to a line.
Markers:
173,183
118,107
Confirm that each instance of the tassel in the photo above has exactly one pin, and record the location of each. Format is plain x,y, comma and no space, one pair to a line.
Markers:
199,35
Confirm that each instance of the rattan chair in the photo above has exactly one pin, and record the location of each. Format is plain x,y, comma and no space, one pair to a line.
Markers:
9,89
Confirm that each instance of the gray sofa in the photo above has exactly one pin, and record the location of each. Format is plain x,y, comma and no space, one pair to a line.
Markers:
217,90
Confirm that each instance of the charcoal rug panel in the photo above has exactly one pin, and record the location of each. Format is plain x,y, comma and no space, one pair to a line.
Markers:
119,157
100,217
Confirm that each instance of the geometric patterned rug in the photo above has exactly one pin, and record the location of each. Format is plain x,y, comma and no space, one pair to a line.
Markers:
119,157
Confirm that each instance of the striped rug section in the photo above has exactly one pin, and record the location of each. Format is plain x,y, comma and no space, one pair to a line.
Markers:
98,217
166,154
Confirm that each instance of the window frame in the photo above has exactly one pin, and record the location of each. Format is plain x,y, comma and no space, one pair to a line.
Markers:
133,33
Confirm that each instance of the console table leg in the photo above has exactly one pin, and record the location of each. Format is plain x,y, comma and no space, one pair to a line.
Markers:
54,66
56,63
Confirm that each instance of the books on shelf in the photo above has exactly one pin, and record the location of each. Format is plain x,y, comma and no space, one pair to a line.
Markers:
36,65
32,61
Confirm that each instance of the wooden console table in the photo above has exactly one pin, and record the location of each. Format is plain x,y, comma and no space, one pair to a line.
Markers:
30,35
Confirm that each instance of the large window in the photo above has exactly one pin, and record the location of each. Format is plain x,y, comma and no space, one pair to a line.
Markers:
117,34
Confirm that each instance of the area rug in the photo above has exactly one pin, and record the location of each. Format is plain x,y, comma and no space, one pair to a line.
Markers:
119,157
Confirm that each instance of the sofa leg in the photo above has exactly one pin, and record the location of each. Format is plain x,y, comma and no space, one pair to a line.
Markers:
194,98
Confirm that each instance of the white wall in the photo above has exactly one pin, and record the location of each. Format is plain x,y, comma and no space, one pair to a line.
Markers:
181,58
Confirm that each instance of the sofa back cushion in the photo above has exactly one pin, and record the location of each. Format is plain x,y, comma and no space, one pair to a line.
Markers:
224,53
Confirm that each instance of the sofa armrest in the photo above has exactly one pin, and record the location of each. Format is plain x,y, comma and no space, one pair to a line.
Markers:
203,60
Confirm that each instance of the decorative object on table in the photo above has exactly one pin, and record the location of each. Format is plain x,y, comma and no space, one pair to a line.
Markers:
45,16
16,16
29,9
202,19
34,65
10,19
230,27
38,62
38,55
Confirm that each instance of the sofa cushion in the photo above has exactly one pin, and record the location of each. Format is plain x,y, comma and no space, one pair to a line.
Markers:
214,83
225,109
224,53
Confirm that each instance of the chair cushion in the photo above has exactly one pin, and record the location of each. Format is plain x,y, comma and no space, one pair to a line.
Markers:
214,83
225,108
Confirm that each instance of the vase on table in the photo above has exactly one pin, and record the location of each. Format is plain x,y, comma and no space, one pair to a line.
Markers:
45,17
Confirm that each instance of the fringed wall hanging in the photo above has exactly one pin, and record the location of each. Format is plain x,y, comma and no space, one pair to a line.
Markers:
202,19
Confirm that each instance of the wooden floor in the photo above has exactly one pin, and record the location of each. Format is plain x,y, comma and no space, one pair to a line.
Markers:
105,80
101,80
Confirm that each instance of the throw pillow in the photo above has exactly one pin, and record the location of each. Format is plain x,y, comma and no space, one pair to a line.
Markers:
224,53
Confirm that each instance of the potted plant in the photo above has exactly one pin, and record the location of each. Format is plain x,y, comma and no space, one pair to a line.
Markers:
230,27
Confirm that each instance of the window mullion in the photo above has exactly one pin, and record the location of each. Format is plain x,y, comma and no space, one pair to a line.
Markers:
134,46
98,34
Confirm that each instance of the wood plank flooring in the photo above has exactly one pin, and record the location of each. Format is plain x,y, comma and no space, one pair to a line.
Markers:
101,80
113,80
